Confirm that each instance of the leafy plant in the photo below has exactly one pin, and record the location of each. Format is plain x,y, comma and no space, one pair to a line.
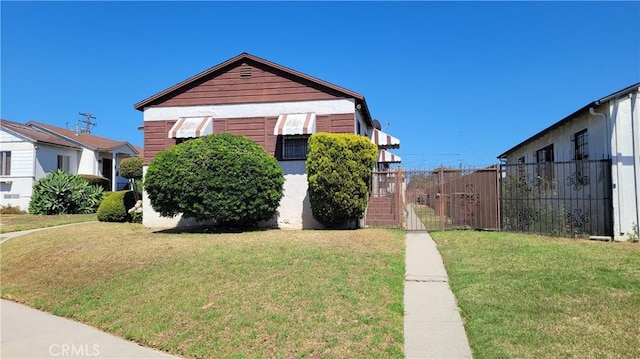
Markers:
64,193
113,207
227,178
131,168
339,168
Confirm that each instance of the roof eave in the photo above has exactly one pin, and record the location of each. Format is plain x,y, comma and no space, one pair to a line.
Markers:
243,56
567,119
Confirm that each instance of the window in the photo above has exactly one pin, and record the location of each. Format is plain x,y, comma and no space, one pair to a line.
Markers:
294,147
581,153
580,141
6,163
180,140
545,155
544,158
63,163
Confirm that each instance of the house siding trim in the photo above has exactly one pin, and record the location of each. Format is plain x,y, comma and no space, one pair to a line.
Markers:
320,107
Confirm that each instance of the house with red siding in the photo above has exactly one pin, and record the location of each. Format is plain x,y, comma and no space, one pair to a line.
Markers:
275,106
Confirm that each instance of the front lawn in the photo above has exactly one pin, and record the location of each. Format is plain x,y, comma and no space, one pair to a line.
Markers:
527,296
271,293
23,222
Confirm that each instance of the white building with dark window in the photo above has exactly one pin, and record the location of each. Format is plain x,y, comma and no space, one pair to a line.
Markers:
30,151
603,131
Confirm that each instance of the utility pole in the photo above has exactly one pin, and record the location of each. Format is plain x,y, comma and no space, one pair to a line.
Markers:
87,122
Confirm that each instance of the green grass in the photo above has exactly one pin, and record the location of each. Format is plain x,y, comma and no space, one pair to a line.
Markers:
429,218
527,296
23,222
325,294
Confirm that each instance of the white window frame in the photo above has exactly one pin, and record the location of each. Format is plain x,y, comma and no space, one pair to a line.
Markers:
6,163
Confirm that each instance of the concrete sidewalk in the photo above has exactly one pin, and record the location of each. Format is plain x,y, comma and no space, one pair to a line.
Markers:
30,333
432,324
7,236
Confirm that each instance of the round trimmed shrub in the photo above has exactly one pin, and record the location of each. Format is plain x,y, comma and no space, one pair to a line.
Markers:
339,168
131,168
114,207
64,193
228,178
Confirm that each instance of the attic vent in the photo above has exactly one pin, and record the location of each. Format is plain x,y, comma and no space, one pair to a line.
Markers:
245,72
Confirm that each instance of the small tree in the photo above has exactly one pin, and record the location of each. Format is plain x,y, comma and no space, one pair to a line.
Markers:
339,168
64,193
227,178
131,168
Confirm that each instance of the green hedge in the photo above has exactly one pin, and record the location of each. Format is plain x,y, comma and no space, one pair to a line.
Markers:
227,178
131,168
115,205
339,168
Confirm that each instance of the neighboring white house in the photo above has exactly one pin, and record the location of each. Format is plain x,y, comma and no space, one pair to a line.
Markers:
608,129
28,152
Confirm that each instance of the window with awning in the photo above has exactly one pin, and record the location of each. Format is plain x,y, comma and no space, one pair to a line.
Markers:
295,124
388,157
295,129
384,140
191,127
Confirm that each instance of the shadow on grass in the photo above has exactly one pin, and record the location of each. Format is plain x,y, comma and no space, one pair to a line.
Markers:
212,229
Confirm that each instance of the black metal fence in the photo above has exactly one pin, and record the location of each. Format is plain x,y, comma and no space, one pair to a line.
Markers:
557,198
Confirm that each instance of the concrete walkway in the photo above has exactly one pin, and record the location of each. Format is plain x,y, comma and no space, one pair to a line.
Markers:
30,333
432,324
7,236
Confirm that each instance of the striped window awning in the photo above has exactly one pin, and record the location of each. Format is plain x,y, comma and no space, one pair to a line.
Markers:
384,140
295,124
187,127
388,157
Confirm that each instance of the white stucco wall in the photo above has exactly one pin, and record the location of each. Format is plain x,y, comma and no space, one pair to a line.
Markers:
624,117
295,209
321,107
88,162
47,159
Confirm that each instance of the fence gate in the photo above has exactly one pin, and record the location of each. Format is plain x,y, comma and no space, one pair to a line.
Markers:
452,198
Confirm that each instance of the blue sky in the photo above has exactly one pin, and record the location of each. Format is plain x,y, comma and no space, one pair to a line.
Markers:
458,82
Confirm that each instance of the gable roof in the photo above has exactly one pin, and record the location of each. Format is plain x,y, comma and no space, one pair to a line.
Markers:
625,91
84,139
35,135
243,57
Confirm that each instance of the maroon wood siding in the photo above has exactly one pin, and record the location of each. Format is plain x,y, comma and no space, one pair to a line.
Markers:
156,138
336,123
257,129
235,86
